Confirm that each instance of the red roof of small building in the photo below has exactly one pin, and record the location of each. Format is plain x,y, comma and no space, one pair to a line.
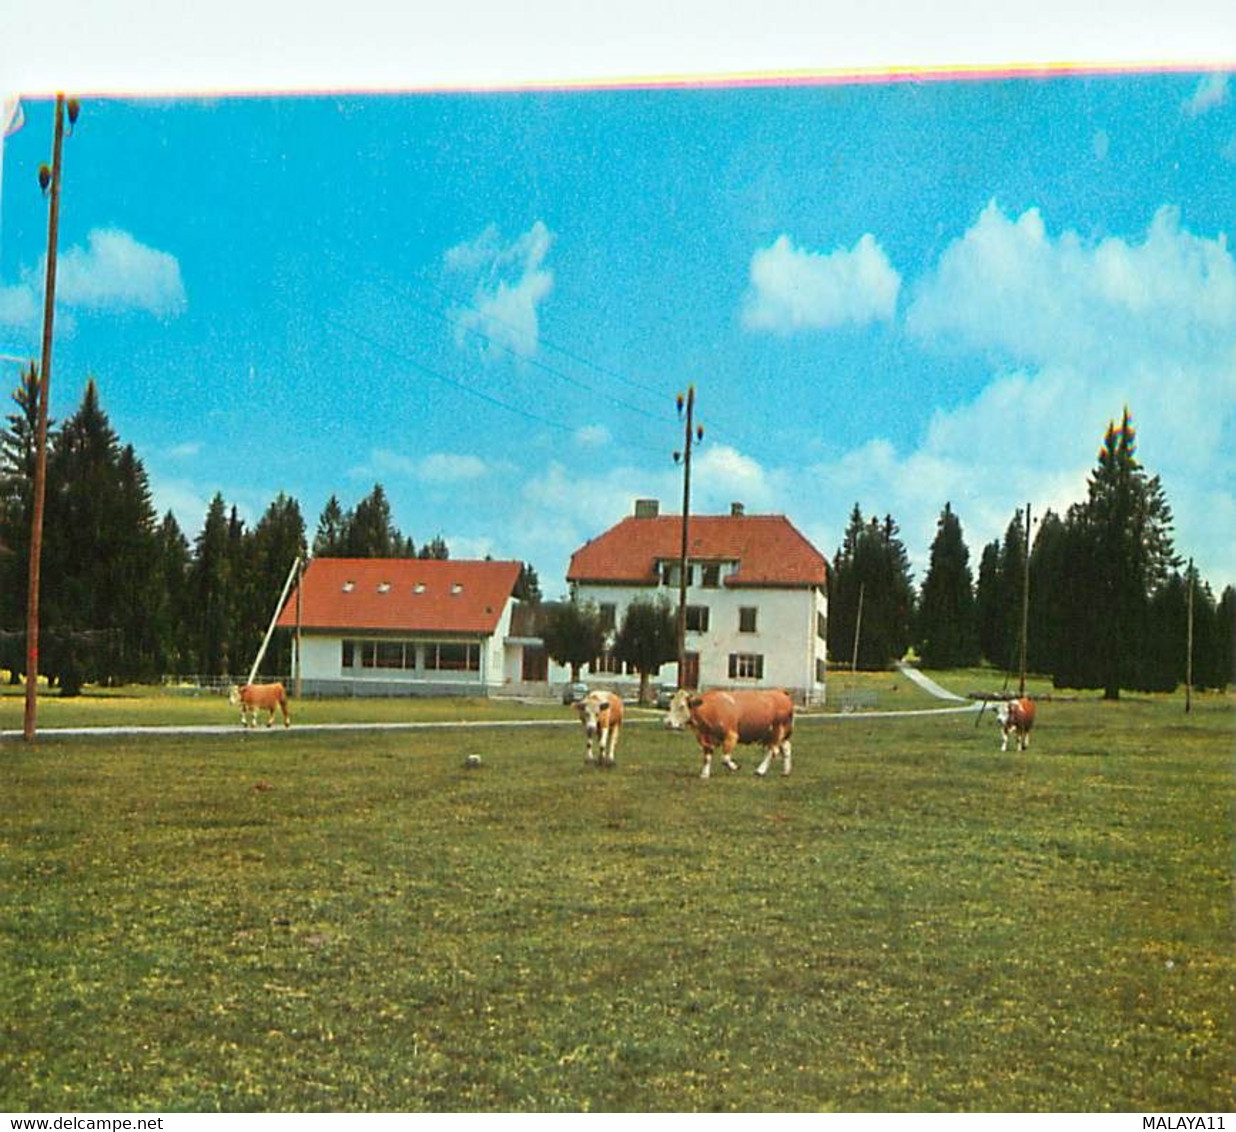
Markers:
769,550
410,595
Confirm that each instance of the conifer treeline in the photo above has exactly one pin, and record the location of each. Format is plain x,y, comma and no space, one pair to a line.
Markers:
126,597
1108,593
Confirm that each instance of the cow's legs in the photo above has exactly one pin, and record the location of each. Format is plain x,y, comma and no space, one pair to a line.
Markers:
707,771
727,748
1023,740
609,743
781,748
1004,741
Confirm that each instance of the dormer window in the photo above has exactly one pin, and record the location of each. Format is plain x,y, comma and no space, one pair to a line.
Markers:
348,587
384,587
457,588
419,588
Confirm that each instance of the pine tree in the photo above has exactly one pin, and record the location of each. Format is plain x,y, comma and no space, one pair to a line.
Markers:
948,636
174,611
273,546
210,589
528,586
1129,526
1047,615
435,548
328,542
17,455
1225,634
989,605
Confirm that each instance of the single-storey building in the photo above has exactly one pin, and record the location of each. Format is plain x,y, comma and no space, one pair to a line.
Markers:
402,626
757,604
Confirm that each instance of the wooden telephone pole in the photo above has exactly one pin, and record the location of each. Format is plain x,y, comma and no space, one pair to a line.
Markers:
685,455
1025,612
46,177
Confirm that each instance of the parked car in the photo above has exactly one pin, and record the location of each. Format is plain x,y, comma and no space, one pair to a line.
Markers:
573,692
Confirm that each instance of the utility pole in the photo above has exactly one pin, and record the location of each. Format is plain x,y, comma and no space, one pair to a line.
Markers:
46,177
1025,610
858,626
1189,653
685,456
300,577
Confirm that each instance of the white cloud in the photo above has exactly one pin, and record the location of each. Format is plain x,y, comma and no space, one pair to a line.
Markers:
511,283
1211,92
1084,329
184,451
437,467
115,272
112,273
446,467
19,306
592,436
1008,287
792,289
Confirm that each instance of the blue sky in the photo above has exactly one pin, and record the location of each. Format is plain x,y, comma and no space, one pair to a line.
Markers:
896,294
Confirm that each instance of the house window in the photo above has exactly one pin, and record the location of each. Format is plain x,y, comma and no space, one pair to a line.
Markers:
747,618
389,654
609,616
710,576
452,656
349,654
369,654
697,618
821,626
821,670
670,574
746,666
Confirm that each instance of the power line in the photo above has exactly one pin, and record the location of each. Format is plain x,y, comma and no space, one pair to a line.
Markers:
463,387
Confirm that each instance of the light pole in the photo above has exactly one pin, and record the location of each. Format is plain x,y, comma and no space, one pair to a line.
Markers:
47,178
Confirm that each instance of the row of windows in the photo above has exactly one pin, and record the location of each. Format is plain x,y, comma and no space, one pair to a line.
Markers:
698,618
743,666
435,656
710,574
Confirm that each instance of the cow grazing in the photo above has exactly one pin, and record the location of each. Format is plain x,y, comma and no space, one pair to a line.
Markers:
252,698
725,719
1015,717
601,714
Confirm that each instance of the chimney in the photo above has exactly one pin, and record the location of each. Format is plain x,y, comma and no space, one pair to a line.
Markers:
647,508
737,509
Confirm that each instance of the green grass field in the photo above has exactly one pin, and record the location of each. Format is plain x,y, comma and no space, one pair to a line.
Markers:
354,921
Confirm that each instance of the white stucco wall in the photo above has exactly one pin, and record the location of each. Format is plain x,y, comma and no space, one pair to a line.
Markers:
786,633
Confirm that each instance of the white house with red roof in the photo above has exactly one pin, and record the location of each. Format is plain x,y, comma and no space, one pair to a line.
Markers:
402,626
757,604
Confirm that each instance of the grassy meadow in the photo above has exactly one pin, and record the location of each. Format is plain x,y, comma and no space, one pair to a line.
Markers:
355,921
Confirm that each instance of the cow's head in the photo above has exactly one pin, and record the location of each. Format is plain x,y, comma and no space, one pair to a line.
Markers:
679,714
233,695
1002,715
593,711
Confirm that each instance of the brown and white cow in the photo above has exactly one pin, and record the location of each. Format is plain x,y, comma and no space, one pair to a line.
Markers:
725,719
601,714
1015,717
252,698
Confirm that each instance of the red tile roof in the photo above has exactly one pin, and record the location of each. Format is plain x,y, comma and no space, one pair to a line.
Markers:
769,550
410,595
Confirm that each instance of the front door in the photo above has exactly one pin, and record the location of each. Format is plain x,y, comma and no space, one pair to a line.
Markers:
690,675
535,666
